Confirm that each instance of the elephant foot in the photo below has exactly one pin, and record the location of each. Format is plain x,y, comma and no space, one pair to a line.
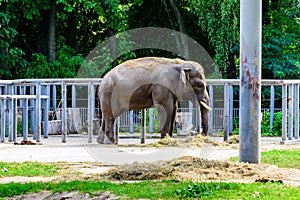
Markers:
204,134
100,139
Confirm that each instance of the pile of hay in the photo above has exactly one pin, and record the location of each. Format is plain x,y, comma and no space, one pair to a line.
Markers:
191,141
190,168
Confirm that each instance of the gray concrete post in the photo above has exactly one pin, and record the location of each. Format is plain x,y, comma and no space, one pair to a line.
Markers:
250,80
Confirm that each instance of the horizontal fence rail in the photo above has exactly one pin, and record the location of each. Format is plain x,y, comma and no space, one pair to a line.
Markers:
39,106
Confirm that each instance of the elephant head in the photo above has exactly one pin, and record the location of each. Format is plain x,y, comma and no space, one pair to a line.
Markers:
193,85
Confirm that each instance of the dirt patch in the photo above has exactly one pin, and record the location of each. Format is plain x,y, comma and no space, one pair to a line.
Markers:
74,195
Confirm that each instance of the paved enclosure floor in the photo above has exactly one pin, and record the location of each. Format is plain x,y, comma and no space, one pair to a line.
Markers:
77,149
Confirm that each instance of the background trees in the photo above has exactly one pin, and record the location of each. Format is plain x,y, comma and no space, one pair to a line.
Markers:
51,38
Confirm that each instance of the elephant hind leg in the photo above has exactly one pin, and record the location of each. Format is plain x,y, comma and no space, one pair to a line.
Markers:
109,129
100,138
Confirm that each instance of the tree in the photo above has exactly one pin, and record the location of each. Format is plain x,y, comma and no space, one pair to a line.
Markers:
221,22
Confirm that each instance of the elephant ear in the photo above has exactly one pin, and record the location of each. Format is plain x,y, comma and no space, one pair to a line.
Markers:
185,74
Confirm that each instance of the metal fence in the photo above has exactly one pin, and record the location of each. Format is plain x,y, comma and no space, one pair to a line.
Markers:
72,102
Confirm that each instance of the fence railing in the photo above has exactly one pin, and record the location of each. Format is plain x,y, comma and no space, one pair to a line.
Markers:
31,101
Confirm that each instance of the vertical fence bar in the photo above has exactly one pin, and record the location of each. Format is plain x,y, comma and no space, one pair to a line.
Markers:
73,96
284,111
15,117
64,112
45,91
25,120
226,112
230,109
290,112
54,96
151,115
10,115
296,111
272,108
3,119
211,113
90,111
24,105
32,113
143,126
116,127
131,128
38,111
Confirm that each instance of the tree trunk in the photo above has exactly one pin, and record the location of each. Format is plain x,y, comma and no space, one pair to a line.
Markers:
231,69
51,39
42,37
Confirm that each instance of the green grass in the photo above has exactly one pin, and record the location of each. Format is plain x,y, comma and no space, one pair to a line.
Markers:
28,169
162,189
281,158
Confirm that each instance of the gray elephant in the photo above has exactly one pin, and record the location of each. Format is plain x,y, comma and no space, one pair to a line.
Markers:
151,82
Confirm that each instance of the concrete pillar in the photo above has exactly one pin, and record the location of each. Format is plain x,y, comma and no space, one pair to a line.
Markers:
250,80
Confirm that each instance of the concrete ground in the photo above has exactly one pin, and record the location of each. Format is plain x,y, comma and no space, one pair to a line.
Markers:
77,149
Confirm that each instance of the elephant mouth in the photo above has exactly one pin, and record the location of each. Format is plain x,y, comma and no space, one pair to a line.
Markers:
205,105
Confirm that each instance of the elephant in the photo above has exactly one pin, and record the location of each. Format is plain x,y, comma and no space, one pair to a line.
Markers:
151,82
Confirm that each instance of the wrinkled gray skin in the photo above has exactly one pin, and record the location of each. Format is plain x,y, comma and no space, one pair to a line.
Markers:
151,82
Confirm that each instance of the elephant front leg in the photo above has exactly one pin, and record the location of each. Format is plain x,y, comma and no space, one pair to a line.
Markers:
165,114
174,112
204,120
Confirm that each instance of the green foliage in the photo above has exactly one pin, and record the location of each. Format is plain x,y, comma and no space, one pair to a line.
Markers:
221,22
65,66
199,190
281,45
265,124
